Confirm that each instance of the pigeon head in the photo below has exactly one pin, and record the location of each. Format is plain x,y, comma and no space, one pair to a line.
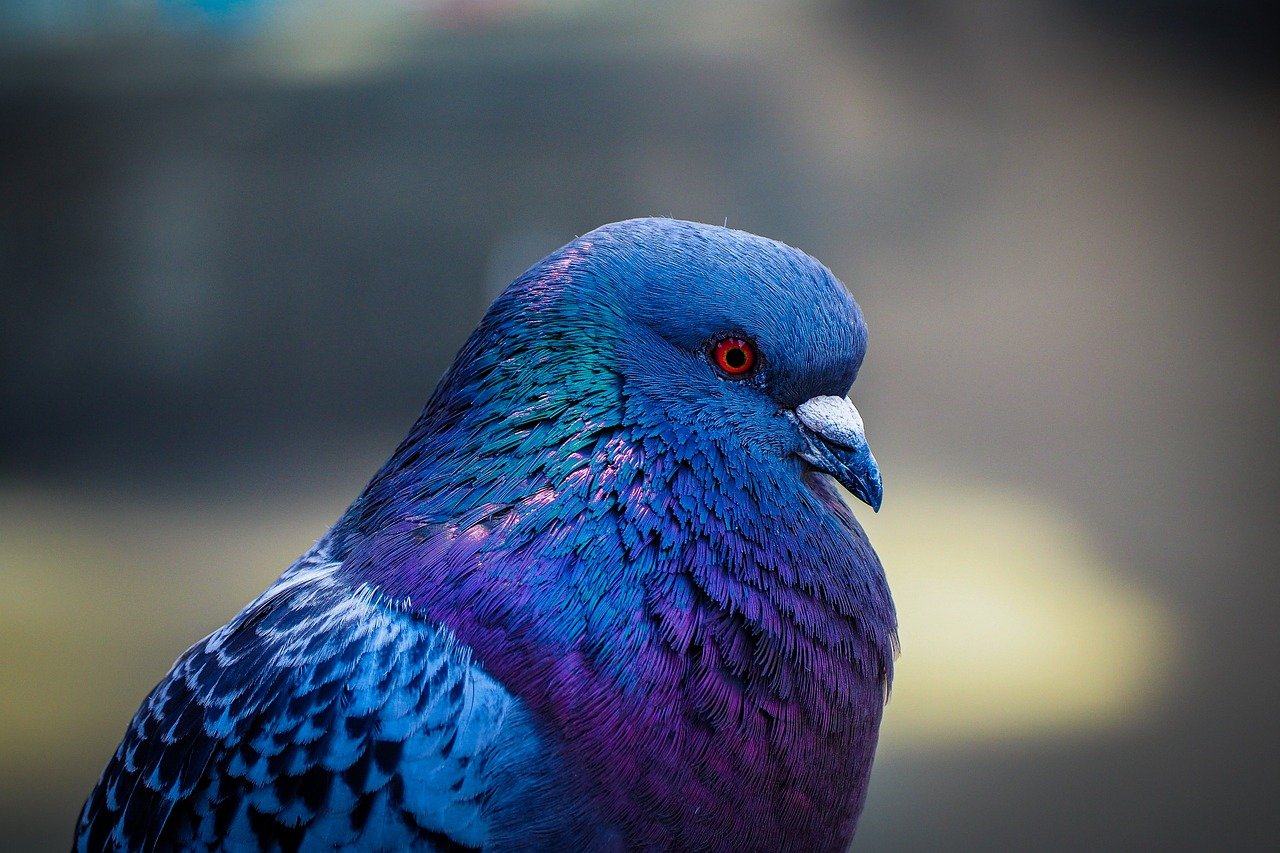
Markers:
705,332
688,338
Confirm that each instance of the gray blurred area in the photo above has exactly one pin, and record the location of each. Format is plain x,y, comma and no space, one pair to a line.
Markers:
239,242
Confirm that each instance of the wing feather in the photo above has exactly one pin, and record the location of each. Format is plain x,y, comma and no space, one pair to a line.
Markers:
321,716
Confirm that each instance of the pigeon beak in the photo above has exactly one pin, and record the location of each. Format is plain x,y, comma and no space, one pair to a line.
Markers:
836,444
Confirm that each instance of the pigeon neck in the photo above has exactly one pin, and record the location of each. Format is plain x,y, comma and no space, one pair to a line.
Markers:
714,619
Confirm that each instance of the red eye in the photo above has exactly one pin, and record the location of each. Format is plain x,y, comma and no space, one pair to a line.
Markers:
734,356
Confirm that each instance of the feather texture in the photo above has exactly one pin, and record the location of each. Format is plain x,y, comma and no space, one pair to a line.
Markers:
596,599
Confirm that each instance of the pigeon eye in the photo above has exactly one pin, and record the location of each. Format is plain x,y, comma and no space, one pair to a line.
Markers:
735,356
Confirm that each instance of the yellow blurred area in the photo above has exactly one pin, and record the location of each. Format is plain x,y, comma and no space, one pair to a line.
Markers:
100,598
1011,624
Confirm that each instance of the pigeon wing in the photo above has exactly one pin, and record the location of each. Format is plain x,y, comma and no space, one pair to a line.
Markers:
320,717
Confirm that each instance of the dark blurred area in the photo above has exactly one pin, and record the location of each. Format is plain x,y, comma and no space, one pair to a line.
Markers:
240,241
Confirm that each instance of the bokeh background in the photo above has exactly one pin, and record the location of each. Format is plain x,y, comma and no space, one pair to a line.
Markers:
239,242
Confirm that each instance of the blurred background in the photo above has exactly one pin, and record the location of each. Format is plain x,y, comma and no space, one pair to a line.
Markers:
240,240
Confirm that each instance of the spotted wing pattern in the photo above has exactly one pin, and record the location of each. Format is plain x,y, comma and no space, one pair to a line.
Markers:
320,717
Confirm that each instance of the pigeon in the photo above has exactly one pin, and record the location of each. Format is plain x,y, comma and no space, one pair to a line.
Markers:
605,595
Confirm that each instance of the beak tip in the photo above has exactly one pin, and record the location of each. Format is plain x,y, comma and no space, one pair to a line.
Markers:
872,485
875,495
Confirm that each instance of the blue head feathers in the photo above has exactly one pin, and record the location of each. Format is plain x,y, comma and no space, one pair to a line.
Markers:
626,317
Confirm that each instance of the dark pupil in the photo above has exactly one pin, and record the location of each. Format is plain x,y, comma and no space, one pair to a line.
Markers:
735,358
